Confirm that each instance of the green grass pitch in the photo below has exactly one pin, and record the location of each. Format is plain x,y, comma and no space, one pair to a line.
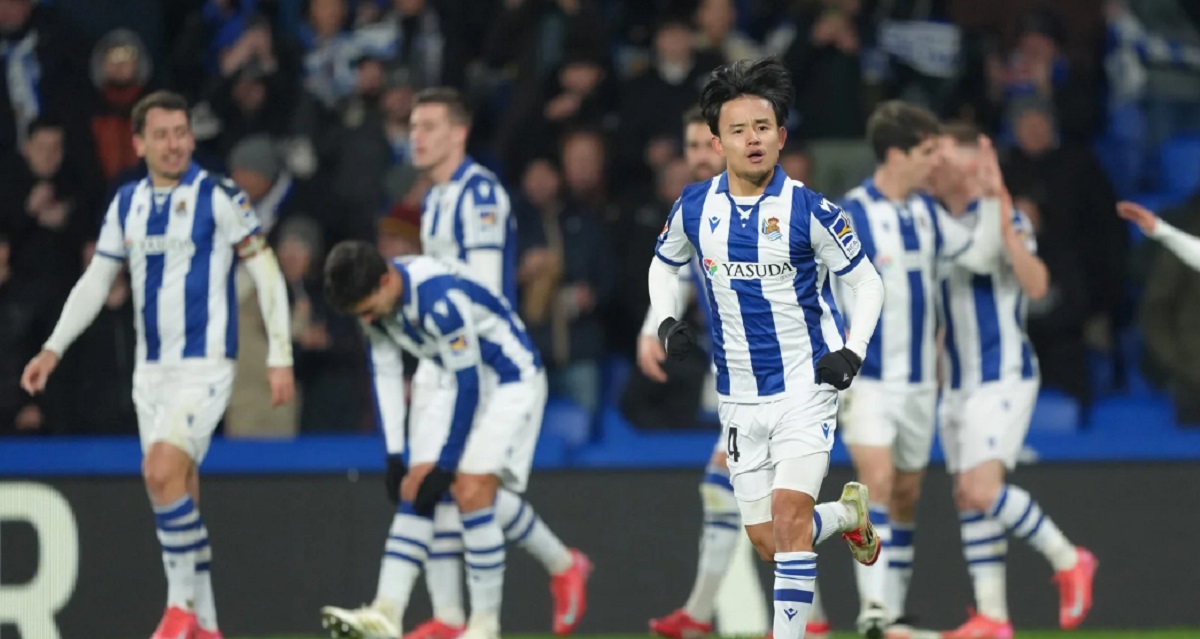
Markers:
1020,634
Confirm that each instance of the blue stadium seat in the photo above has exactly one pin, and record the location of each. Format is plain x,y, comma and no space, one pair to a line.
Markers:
613,376
1055,412
1180,174
567,421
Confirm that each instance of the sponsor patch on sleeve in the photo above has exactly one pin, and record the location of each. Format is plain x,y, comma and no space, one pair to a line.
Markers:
843,232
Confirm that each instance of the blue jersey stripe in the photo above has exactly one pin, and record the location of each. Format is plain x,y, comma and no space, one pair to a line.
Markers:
872,366
805,283
916,295
1027,371
196,283
691,207
951,345
466,401
231,303
494,355
156,226
987,322
124,203
758,321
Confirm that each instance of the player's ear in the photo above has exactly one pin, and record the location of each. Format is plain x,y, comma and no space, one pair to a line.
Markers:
717,146
139,145
782,137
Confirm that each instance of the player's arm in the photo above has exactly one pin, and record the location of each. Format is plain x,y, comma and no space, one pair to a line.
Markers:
386,362
1021,250
650,352
976,249
843,295
485,214
674,250
836,244
1185,247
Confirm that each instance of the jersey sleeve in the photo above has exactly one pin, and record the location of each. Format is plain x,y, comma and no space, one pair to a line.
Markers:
1024,228
835,242
674,247
485,215
387,384
111,242
234,215
458,347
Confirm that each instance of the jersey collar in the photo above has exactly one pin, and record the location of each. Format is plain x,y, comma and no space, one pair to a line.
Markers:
873,191
773,189
462,169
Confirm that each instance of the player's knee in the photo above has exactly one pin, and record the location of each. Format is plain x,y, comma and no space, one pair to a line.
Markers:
905,493
164,480
475,492
975,493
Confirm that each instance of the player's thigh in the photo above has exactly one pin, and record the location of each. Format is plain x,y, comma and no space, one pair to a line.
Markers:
505,434
915,421
951,421
747,447
865,415
995,420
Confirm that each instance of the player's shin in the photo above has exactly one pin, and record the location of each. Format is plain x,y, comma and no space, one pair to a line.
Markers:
404,554
181,534
722,527
795,579
444,568
1022,517
484,543
985,548
522,526
206,605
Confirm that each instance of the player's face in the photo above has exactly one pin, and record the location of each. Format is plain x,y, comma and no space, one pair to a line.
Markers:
382,300
953,170
435,136
921,160
750,137
702,159
166,143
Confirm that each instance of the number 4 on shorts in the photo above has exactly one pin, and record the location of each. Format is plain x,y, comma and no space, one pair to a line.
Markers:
731,445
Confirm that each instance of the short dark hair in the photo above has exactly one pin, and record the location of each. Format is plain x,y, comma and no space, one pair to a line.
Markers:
766,78
44,122
694,115
352,272
165,100
963,133
455,103
900,125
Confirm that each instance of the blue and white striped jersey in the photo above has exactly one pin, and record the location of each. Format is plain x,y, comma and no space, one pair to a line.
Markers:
767,263
180,246
472,212
905,241
456,322
984,316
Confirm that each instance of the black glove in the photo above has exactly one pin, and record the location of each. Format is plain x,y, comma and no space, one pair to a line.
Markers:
430,492
395,474
838,368
676,337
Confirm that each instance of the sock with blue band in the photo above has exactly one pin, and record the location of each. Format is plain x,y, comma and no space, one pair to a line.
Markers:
484,543
795,579
522,526
181,534
985,547
718,539
444,566
899,566
404,555
1024,518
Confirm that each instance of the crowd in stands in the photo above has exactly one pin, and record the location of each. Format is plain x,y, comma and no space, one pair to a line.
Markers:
577,107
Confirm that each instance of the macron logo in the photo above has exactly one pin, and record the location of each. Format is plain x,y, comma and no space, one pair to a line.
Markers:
790,612
825,427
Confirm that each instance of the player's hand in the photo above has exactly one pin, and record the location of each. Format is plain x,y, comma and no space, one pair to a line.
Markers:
395,474
839,368
37,372
412,481
988,171
1140,215
283,385
650,357
676,337
437,482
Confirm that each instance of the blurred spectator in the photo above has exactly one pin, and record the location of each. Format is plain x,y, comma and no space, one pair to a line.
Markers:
798,164
1074,197
825,59
563,312
329,52
256,167
400,231
47,207
1169,316
652,102
421,39
26,319
400,176
91,392
584,172
207,29
717,22
121,69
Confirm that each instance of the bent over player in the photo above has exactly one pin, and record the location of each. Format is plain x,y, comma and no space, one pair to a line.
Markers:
768,246
182,231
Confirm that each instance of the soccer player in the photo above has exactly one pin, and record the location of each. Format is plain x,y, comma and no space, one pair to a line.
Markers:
768,245
467,218
1185,247
989,390
182,231
426,307
721,519
887,417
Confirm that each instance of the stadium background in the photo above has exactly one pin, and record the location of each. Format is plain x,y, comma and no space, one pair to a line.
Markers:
577,107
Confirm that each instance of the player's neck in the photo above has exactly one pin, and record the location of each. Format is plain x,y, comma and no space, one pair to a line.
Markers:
891,185
160,181
742,187
442,173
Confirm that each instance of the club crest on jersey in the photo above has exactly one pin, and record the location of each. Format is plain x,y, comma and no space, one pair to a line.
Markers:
770,228
181,208
459,343
843,232
710,266
487,217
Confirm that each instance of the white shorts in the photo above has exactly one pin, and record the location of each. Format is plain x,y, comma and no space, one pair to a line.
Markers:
760,436
181,404
896,416
987,422
503,435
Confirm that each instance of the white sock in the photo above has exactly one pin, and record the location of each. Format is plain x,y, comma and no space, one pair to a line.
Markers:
404,554
985,547
829,519
206,606
1024,518
444,566
899,567
872,580
795,575
522,526
484,544
722,527
180,533
816,614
